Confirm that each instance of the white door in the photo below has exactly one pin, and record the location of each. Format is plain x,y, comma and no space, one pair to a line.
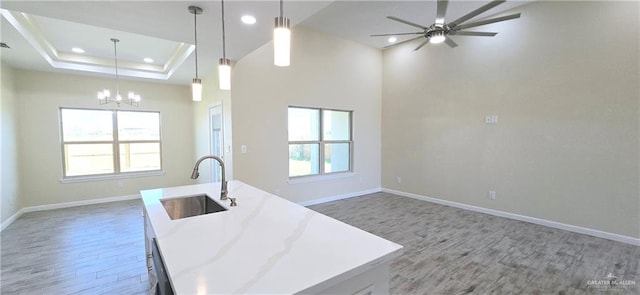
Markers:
216,144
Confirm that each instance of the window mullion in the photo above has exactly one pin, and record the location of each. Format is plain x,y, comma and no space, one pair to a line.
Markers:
116,147
321,143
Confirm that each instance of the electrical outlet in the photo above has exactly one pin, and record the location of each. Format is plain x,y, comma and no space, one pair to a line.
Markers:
492,195
398,179
491,119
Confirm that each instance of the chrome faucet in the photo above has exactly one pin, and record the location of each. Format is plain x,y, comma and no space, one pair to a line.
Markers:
223,190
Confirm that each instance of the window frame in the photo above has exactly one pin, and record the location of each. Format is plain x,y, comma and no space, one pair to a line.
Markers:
321,142
115,142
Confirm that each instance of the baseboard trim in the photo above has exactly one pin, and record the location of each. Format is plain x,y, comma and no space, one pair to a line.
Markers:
11,219
544,222
65,205
340,197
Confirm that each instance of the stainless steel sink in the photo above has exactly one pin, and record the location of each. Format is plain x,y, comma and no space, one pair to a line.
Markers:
190,206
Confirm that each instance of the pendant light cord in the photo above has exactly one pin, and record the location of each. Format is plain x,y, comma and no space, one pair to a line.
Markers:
115,53
195,30
281,10
224,53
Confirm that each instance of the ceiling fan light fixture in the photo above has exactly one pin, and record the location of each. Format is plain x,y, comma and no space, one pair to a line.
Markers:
438,31
437,37
392,39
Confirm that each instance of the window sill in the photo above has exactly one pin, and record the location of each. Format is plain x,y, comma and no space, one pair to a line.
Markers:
111,177
315,178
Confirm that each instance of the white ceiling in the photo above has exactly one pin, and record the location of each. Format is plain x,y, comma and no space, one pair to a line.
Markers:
90,25
157,29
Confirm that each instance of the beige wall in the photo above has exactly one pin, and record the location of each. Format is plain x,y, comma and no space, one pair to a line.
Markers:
212,96
40,95
563,80
9,174
325,72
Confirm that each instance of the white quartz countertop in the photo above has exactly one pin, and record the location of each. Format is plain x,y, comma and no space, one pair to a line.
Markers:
265,245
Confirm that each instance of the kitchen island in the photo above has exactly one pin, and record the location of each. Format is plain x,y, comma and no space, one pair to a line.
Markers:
265,245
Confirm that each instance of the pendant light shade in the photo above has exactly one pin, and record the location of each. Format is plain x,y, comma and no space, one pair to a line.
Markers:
224,73
224,64
282,40
196,85
196,90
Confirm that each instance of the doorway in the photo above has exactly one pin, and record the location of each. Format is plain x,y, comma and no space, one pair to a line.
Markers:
216,139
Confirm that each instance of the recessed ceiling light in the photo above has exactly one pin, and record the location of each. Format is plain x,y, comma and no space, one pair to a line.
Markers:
248,19
148,60
77,50
392,39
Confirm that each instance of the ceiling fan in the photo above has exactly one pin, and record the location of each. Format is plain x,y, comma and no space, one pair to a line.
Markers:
440,31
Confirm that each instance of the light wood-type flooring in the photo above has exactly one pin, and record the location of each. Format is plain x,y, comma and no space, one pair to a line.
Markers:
99,249
96,249
454,251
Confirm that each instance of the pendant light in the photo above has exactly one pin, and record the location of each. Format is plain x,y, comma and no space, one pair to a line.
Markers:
224,64
281,40
196,85
104,96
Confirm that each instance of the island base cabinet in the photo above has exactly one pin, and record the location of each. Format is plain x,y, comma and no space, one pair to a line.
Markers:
372,282
148,244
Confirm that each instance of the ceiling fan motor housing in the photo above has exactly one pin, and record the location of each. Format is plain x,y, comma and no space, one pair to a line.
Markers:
436,30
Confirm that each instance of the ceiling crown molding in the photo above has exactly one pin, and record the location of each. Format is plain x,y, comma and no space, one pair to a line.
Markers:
29,29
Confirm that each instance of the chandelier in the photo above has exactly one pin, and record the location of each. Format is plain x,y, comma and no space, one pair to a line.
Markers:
104,96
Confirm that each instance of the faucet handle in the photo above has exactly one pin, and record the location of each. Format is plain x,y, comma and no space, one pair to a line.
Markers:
233,202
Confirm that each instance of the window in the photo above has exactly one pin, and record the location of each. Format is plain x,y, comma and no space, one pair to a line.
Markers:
319,136
109,142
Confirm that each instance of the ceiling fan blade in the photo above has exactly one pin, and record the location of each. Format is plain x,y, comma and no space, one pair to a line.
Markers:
480,10
396,34
486,22
468,33
442,10
405,41
450,42
422,44
406,22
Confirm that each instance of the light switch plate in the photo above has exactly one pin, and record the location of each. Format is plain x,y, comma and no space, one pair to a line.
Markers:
243,149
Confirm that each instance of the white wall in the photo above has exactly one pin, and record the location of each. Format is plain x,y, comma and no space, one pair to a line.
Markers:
41,94
212,96
563,80
325,72
9,174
